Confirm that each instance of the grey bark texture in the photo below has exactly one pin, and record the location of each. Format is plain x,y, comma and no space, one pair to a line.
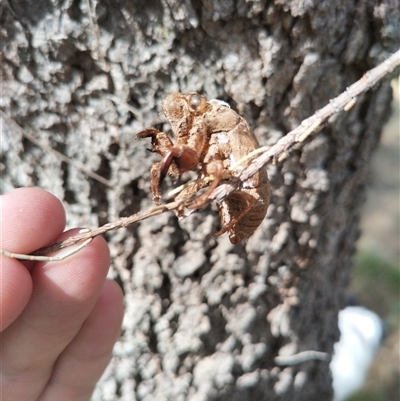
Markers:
204,318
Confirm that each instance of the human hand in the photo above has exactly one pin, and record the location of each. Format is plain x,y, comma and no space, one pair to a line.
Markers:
58,320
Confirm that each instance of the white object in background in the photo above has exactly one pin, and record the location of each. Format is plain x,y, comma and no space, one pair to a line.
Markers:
361,332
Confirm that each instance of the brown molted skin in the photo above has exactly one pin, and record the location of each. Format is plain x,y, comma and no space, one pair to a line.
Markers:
213,136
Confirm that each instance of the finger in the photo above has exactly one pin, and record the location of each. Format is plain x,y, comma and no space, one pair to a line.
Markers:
15,290
63,295
82,363
31,219
24,227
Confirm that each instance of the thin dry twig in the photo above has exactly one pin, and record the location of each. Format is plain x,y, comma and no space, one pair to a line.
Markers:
60,156
303,356
136,112
97,54
274,153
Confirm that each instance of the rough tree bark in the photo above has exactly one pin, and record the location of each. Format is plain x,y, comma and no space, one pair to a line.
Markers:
204,319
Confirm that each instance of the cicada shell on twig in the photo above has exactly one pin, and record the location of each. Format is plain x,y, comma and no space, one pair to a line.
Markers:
212,137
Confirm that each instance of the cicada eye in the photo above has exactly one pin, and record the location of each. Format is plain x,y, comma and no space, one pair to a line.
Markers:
194,101
197,103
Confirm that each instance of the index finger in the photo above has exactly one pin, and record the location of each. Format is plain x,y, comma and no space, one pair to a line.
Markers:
30,218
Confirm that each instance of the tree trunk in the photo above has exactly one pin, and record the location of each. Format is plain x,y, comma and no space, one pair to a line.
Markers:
204,319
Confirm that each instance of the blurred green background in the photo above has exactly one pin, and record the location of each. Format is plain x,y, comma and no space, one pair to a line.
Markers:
376,277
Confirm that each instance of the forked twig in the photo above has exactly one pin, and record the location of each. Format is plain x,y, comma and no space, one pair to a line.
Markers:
39,257
87,235
257,159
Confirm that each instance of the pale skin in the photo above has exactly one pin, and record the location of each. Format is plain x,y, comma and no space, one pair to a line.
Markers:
58,320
